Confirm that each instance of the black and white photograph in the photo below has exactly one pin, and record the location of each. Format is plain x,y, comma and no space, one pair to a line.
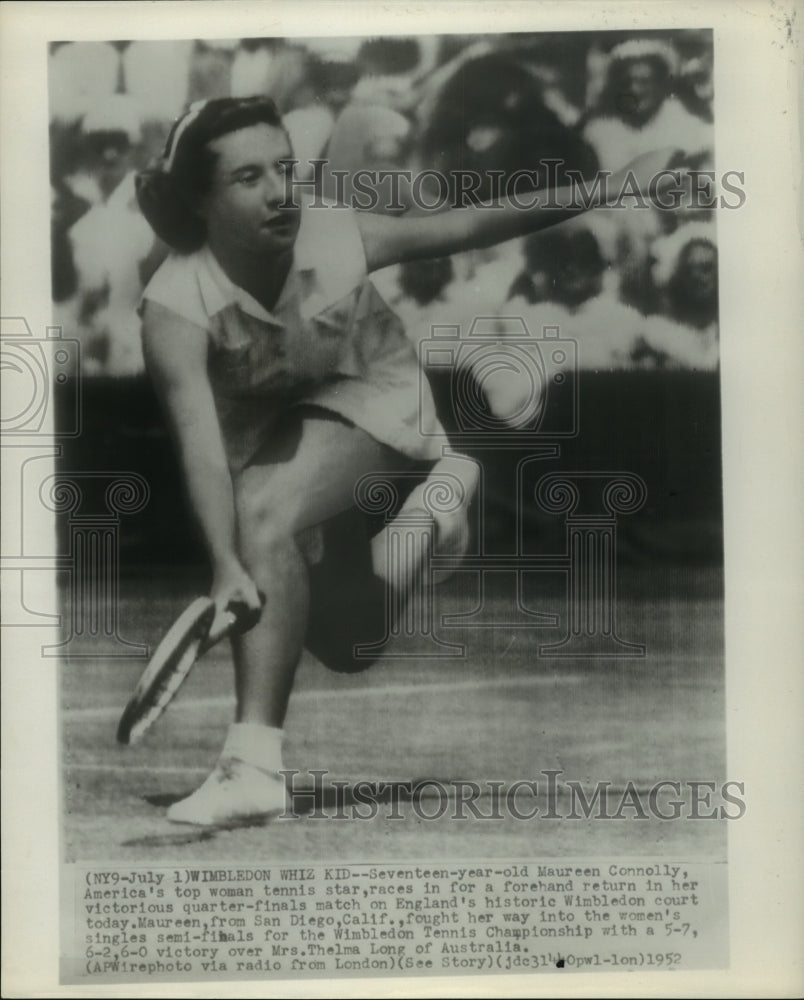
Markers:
375,505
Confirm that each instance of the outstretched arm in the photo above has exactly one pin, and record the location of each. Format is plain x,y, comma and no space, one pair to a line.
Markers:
392,240
176,357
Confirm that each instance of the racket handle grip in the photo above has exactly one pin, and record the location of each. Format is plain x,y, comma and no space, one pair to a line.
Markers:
235,618
221,627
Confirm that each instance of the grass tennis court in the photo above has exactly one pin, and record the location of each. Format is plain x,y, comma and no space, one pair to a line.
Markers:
501,713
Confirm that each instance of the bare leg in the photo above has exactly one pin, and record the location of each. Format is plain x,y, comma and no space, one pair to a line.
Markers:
279,507
278,503
266,657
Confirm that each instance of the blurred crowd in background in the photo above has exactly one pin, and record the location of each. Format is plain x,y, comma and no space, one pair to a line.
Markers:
636,289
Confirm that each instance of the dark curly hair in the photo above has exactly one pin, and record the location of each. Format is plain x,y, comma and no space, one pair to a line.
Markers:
169,192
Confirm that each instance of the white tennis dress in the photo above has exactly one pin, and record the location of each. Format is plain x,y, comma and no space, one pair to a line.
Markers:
331,340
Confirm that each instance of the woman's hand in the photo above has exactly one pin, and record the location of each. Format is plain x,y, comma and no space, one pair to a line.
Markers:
237,600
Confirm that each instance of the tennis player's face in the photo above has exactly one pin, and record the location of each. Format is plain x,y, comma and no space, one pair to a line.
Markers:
246,207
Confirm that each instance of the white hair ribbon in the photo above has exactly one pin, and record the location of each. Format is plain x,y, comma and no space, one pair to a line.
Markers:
179,129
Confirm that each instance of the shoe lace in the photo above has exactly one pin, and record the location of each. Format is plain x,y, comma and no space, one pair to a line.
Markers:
227,770
231,768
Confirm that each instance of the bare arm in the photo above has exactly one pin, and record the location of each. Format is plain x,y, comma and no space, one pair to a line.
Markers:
393,240
176,357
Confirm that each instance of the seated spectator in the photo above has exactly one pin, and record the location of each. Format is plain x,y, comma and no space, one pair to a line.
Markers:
684,334
451,291
568,283
112,245
567,270
637,238
638,111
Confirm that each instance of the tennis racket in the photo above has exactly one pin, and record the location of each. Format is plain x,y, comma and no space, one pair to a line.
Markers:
196,630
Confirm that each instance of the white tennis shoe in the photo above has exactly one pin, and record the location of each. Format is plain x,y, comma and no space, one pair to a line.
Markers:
234,791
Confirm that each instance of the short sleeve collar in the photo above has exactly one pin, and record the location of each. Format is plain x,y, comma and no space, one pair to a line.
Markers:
328,263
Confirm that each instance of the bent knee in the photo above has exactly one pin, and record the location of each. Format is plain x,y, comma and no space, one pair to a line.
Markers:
270,539
259,514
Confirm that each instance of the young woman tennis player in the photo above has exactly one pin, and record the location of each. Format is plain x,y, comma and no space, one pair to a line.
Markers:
285,378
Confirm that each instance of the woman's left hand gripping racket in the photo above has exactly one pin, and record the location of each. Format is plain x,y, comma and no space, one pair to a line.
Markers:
195,631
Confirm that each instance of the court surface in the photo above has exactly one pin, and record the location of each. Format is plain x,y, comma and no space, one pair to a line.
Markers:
500,713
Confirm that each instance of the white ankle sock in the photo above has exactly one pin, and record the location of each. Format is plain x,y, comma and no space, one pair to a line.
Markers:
254,744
